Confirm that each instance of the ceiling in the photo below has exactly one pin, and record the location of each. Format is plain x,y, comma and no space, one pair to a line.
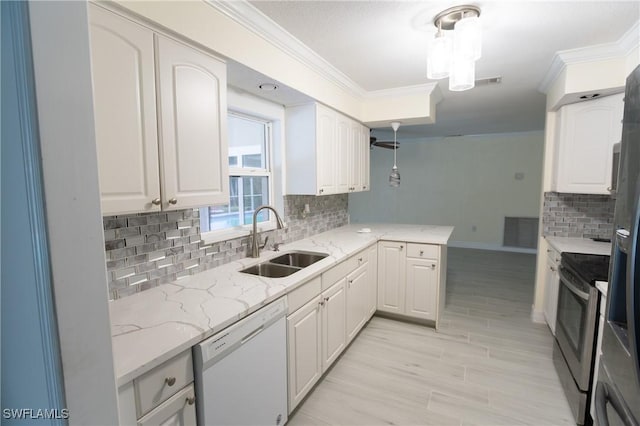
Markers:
382,45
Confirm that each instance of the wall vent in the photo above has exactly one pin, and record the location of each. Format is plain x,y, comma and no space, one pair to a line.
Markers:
521,232
488,81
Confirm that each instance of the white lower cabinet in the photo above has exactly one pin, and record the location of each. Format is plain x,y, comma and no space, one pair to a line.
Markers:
179,410
163,396
304,341
357,300
316,337
411,279
422,288
391,276
322,322
552,284
333,308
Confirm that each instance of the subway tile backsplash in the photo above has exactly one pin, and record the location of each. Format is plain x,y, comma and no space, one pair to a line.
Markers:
578,215
145,250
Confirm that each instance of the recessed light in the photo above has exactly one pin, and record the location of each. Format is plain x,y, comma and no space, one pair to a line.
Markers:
268,87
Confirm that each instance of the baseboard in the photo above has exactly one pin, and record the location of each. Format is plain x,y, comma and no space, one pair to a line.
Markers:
537,316
493,247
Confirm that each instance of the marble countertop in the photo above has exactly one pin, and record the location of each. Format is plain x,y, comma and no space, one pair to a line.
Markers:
579,245
153,326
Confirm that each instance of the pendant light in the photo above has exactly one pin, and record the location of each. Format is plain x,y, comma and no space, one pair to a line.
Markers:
394,177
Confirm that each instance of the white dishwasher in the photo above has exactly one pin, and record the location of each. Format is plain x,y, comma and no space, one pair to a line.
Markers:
241,372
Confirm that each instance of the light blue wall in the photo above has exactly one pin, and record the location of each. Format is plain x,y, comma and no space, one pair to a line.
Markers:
31,372
462,181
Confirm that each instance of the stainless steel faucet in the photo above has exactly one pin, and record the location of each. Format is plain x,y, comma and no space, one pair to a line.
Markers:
255,244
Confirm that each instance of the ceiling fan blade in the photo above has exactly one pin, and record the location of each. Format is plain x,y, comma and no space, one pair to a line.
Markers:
373,141
386,144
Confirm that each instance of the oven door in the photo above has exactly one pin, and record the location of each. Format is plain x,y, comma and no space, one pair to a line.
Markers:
576,325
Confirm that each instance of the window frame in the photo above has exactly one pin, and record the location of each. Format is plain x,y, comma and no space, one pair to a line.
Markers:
224,234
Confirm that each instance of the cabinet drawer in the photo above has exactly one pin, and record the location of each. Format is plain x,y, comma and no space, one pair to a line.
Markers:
343,269
423,251
301,295
180,409
553,256
162,382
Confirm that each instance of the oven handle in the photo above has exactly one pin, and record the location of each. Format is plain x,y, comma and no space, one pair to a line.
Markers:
607,395
567,283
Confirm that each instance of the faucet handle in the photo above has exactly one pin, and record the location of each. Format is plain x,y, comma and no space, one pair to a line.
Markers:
265,242
276,246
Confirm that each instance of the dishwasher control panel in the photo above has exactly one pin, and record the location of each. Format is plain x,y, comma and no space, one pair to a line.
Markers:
217,346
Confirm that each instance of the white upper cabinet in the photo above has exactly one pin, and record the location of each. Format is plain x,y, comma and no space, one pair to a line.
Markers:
585,135
172,156
344,159
324,152
193,116
125,113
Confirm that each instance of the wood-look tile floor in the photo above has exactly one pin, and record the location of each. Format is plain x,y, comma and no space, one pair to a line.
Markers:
487,365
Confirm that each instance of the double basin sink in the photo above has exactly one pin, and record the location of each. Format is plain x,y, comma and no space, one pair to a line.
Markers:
285,264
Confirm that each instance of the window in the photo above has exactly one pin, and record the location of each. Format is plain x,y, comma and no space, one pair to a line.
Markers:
249,175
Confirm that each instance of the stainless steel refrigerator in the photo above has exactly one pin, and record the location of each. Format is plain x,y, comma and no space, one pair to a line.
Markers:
618,388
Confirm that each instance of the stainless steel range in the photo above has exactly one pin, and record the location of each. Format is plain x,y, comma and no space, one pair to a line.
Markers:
576,327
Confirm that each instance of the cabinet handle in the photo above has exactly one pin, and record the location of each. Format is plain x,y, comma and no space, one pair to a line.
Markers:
173,201
191,400
433,267
170,381
401,247
552,268
609,189
548,250
360,259
321,191
421,252
364,187
156,201
322,303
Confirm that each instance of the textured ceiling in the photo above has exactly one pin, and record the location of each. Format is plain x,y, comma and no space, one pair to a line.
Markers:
382,45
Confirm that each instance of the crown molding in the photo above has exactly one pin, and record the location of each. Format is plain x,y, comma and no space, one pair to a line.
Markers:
600,52
257,22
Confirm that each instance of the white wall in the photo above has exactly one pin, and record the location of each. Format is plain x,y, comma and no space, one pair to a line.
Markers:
60,37
460,181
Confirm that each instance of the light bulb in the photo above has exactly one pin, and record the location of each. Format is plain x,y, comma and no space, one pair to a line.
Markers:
467,38
394,177
439,57
463,73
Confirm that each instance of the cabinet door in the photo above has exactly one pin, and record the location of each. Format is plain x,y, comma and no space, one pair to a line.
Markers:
325,146
588,131
179,410
551,295
372,281
391,276
193,122
365,158
343,154
356,164
304,340
333,323
122,67
358,295
422,288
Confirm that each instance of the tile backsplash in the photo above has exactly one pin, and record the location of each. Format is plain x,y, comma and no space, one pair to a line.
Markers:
145,250
577,215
